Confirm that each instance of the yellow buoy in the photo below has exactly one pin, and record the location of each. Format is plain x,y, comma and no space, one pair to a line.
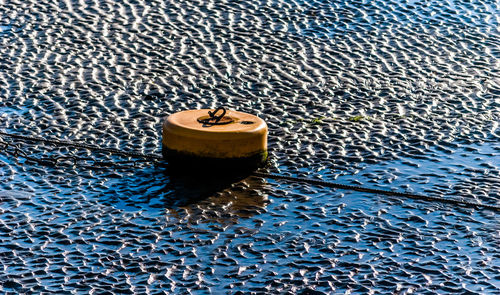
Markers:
217,139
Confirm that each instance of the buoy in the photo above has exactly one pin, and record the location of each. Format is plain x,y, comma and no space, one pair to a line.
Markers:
211,141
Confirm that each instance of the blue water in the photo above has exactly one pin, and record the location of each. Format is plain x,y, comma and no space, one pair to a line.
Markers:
397,95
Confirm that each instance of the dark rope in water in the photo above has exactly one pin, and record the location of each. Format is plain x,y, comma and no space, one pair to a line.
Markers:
83,146
153,157
373,190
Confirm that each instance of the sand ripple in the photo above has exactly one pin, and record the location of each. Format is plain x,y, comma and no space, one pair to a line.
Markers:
392,94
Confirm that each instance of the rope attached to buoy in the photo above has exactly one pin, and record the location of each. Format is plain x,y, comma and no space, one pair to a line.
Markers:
83,146
213,119
373,190
156,158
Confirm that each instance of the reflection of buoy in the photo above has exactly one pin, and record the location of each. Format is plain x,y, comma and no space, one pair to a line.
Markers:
214,139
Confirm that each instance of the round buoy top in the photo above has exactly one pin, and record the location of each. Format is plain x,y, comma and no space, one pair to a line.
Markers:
233,125
214,134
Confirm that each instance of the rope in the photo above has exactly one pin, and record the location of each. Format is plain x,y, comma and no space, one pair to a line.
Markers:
374,191
84,146
153,157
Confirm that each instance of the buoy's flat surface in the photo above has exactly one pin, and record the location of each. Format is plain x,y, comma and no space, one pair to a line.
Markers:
243,125
243,136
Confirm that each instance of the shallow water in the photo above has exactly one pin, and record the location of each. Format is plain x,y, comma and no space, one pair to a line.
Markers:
390,94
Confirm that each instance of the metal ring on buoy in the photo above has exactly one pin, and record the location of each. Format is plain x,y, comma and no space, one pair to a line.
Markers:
217,139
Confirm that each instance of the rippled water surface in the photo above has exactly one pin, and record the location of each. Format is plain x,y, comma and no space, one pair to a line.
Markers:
400,95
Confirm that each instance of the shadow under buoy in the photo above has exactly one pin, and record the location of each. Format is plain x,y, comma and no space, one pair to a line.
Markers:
156,189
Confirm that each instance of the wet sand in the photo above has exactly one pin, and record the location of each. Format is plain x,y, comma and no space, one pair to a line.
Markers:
389,94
